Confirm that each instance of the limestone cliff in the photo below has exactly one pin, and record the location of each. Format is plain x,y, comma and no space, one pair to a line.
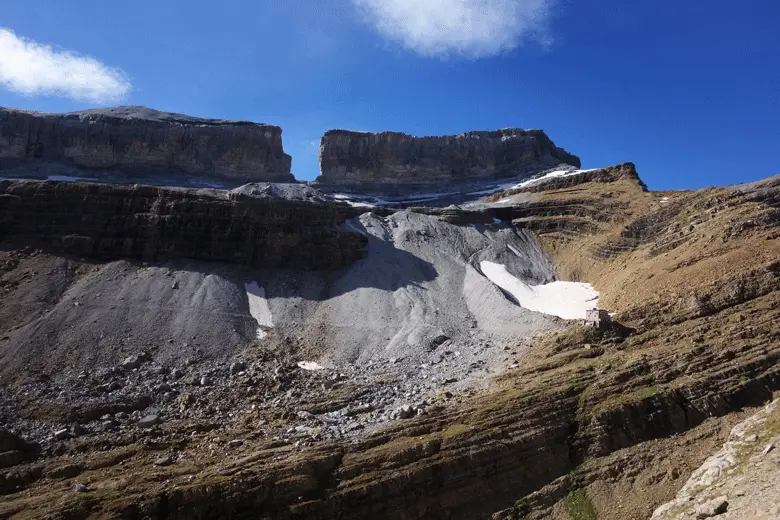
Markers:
148,223
392,158
138,138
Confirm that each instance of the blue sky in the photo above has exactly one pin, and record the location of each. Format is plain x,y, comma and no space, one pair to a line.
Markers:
689,91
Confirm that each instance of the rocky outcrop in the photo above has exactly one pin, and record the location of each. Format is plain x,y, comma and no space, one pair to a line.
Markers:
387,159
148,223
139,139
14,449
736,478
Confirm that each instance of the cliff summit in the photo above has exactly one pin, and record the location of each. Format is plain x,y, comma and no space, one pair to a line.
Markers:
393,158
131,138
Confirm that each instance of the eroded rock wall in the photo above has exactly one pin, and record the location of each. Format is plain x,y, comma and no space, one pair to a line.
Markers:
138,138
393,158
148,223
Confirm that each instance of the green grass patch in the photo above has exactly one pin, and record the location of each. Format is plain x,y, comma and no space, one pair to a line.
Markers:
579,506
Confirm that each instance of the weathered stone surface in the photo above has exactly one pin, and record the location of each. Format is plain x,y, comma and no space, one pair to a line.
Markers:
15,450
391,158
712,508
138,138
149,223
149,421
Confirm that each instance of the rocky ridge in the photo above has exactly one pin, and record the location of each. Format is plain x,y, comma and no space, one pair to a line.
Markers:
151,224
138,139
396,161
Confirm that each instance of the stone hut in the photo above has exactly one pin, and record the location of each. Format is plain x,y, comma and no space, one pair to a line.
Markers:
596,317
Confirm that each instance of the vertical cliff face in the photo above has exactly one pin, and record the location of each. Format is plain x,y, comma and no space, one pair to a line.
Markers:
148,223
138,138
392,158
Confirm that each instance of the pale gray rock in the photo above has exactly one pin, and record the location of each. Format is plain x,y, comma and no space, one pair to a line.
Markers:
149,421
165,460
714,507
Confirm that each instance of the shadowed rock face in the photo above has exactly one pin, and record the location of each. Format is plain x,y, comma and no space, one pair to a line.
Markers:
138,138
148,223
392,158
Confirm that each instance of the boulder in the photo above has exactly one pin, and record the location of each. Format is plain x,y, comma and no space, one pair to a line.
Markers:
714,507
406,411
132,362
149,421
237,367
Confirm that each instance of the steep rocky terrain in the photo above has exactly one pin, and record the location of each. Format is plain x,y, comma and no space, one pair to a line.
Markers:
132,140
403,383
740,480
148,223
392,161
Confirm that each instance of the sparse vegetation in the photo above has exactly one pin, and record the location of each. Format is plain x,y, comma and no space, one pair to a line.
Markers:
579,506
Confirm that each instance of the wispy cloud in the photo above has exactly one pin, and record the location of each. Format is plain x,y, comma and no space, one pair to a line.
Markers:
471,28
30,68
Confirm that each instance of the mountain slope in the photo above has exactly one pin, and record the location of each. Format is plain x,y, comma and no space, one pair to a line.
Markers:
691,278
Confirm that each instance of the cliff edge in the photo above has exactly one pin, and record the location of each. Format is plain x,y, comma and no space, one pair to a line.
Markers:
133,139
393,159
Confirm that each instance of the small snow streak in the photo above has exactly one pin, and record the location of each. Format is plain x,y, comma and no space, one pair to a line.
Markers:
258,307
471,28
30,68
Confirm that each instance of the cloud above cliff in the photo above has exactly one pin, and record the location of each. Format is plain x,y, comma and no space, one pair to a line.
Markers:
30,68
470,28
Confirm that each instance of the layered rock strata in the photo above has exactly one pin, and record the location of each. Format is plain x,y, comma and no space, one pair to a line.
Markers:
138,139
388,159
148,223
704,344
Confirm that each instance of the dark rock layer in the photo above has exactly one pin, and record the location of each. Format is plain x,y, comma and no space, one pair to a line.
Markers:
148,223
390,158
140,139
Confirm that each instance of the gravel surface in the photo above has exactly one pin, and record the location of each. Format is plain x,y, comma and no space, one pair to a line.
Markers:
411,324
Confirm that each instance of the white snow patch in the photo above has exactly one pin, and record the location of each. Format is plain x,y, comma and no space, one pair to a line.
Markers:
350,226
514,250
551,175
310,365
568,300
258,307
359,201
206,184
68,178
489,189
496,220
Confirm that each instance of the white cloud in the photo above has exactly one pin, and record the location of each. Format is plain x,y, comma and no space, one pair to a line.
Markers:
472,28
30,68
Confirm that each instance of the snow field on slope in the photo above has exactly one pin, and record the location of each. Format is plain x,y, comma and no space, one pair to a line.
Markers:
378,200
568,300
258,307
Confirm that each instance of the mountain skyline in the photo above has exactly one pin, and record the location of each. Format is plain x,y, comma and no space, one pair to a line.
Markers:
687,94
